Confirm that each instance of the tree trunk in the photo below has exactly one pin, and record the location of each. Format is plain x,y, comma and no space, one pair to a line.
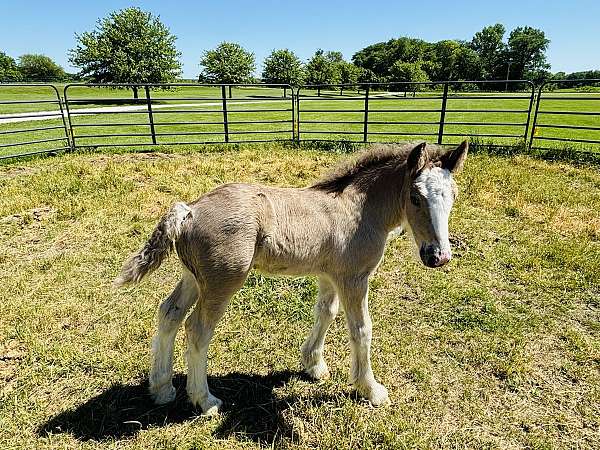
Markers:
284,92
341,90
135,92
318,92
229,91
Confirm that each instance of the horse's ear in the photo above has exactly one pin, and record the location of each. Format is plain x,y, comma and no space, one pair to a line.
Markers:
455,159
417,159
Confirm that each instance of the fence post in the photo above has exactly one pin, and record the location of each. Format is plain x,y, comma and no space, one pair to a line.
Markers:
443,114
225,124
293,115
298,115
366,117
535,115
150,115
69,131
529,112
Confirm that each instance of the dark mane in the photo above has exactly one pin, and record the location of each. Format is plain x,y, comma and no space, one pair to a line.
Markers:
368,166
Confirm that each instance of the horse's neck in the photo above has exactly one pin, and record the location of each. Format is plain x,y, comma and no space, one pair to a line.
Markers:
382,203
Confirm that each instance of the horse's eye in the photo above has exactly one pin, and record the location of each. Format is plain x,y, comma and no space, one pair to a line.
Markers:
414,199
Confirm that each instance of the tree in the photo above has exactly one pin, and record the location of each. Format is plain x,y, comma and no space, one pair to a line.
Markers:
229,63
9,71
321,69
283,67
444,55
40,68
408,72
365,77
526,54
349,74
380,57
468,64
488,44
128,46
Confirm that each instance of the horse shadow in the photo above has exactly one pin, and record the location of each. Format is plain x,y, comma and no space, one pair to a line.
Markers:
251,410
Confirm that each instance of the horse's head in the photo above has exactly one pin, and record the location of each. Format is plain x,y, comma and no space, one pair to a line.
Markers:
429,196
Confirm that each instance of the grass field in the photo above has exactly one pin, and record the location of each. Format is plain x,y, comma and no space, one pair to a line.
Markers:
500,349
202,118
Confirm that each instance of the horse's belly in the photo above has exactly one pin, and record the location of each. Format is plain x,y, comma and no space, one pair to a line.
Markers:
285,266
288,260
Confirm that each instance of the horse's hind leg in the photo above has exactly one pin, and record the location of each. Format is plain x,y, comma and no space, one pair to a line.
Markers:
200,327
171,313
325,311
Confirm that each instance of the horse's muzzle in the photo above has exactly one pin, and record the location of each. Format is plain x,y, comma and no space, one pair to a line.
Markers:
433,256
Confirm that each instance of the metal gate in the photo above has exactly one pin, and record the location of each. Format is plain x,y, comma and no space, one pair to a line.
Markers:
136,115
40,119
576,105
441,111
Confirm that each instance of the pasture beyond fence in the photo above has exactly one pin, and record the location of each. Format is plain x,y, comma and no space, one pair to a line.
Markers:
37,118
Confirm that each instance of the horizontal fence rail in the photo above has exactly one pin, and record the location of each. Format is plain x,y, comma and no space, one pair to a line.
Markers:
567,111
31,126
34,118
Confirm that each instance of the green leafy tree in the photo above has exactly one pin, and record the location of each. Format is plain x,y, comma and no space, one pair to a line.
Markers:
408,72
321,69
468,64
128,46
380,57
40,68
283,67
9,71
334,57
349,74
444,55
367,76
229,63
489,46
526,54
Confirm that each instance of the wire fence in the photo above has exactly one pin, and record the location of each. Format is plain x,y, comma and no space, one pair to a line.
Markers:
36,118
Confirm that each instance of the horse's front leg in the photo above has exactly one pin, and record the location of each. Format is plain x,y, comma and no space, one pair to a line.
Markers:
325,311
354,296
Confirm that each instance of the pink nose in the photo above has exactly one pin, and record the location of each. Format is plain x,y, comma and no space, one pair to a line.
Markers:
439,260
434,256
443,259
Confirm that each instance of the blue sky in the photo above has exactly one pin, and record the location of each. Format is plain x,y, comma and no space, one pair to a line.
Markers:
49,27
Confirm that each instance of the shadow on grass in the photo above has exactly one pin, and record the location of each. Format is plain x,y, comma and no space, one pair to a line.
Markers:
251,410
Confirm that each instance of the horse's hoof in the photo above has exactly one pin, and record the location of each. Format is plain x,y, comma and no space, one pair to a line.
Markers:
210,404
165,395
318,371
377,394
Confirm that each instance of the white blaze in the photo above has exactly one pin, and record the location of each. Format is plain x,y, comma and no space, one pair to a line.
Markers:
435,185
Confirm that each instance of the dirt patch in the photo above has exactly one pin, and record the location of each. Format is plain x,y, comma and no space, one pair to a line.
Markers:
38,214
14,172
138,156
11,354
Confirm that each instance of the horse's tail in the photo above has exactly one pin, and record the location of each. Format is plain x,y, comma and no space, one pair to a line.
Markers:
158,247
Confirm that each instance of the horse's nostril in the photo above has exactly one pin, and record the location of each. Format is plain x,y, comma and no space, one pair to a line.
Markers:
433,261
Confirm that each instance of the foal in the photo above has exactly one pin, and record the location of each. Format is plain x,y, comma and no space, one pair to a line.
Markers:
336,229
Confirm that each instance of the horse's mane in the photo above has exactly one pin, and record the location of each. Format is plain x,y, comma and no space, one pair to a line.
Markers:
368,166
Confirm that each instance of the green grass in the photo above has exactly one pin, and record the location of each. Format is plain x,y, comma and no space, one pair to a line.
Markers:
500,349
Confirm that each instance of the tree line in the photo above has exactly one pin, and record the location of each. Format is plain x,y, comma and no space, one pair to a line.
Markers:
134,46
